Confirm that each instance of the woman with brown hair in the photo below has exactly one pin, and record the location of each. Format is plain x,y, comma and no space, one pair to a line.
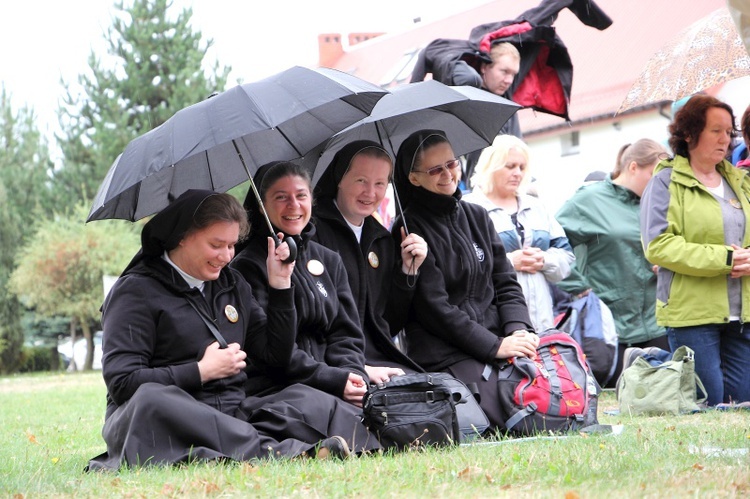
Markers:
179,327
694,225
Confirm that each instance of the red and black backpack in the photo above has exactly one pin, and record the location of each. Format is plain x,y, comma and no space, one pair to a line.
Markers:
554,392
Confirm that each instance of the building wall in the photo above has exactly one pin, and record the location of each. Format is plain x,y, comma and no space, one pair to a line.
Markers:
558,174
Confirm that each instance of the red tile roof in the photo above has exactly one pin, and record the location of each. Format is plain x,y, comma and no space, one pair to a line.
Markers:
605,63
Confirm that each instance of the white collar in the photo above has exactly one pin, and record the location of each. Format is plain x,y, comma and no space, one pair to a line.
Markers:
192,281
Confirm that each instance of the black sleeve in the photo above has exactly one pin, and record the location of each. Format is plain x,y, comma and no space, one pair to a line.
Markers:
130,331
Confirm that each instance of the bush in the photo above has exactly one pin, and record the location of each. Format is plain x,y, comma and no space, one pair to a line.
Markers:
35,359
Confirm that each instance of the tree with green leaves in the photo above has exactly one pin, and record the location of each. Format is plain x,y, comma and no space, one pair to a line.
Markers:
153,69
25,198
60,270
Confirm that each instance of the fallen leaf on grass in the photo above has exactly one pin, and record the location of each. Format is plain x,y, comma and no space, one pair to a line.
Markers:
572,495
470,473
208,487
248,469
31,437
489,478
697,466
55,460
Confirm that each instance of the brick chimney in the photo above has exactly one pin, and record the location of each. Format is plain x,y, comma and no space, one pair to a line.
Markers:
331,48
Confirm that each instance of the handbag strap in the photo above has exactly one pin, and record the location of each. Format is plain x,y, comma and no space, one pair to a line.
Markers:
685,353
211,326
699,385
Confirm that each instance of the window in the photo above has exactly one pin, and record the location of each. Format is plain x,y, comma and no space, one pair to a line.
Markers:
570,143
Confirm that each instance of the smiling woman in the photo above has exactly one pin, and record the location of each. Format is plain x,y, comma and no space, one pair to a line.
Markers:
382,279
174,364
468,309
329,352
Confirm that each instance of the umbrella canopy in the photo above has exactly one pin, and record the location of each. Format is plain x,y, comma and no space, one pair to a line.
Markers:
740,12
220,142
706,53
470,117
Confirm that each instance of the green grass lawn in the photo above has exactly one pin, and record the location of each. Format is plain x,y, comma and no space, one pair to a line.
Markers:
51,426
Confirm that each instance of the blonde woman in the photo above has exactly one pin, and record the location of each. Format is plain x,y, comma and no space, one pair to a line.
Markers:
535,243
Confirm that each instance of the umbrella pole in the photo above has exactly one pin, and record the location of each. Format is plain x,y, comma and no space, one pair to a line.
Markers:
288,240
395,191
411,281
400,209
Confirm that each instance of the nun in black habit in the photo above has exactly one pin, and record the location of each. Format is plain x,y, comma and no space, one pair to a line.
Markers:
329,352
174,386
382,275
468,309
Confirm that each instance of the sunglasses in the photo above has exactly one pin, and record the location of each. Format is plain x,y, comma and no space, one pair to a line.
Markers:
437,170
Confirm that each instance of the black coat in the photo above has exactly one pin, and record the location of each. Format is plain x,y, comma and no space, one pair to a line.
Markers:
467,296
153,334
329,343
545,75
381,292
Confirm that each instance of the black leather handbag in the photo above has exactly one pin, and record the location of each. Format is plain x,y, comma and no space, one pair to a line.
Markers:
420,409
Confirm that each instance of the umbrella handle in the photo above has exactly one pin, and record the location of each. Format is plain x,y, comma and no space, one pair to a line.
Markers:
289,240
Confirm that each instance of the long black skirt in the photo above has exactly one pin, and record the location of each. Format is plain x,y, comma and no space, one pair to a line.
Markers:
163,425
471,371
308,414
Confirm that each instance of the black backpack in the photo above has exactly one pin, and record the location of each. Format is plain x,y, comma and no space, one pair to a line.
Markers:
554,392
421,409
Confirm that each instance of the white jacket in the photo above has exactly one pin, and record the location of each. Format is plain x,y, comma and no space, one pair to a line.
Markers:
541,230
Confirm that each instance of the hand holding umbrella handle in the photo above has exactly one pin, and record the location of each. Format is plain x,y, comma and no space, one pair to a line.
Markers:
289,240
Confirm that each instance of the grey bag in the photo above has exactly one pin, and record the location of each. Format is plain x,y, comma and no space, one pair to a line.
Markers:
669,388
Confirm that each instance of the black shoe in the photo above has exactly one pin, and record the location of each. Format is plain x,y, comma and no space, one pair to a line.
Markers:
333,447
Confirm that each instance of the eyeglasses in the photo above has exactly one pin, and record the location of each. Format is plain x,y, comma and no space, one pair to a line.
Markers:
437,170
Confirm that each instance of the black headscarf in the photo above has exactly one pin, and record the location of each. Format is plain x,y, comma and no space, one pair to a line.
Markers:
328,184
254,215
405,159
165,231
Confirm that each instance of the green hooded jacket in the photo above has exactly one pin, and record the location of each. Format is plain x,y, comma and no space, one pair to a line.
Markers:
601,221
683,232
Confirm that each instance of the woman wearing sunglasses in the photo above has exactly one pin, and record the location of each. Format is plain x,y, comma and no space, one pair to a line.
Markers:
468,309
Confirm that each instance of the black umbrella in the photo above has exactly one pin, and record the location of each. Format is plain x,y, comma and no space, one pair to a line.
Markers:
219,143
470,117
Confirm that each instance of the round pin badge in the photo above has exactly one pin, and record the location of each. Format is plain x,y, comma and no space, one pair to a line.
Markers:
372,257
735,203
315,267
231,313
